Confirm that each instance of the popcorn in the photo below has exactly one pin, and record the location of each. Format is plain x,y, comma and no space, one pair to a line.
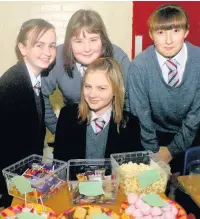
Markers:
129,183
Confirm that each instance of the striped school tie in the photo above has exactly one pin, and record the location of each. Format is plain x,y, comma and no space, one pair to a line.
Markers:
173,77
37,88
99,125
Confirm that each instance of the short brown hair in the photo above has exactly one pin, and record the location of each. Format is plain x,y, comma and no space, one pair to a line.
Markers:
38,26
167,17
92,22
114,74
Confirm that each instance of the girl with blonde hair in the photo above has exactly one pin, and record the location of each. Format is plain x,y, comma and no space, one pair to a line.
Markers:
97,126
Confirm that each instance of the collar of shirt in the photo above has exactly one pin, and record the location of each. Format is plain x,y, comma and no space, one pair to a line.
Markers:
181,59
34,80
80,68
106,117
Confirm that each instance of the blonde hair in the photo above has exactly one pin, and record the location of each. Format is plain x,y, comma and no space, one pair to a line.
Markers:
91,22
114,74
167,17
37,26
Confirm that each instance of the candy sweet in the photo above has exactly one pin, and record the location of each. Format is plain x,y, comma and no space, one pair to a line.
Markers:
141,210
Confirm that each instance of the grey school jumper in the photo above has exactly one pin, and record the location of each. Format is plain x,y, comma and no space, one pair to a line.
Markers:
70,87
164,108
96,144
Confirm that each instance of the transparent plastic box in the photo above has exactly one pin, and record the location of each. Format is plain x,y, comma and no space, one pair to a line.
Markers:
49,180
127,166
91,170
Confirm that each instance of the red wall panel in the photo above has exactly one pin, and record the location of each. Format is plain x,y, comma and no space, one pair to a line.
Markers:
142,10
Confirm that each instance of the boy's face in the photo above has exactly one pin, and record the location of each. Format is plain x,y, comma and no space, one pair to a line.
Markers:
169,42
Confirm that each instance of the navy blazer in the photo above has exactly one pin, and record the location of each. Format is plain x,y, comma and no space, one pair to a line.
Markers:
70,139
21,132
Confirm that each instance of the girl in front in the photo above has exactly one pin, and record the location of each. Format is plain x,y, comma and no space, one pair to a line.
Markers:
97,126
22,126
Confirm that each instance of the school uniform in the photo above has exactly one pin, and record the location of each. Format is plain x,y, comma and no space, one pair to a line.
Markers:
169,115
70,87
76,139
22,127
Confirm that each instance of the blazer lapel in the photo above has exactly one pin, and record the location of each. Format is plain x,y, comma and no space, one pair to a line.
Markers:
29,92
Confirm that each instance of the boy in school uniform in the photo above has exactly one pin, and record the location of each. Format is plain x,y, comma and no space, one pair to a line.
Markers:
164,87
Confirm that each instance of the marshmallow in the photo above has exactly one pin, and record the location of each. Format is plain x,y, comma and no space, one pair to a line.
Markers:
139,203
132,198
156,211
137,213
174,210
169,215
130,209
145,209
148,217
167,208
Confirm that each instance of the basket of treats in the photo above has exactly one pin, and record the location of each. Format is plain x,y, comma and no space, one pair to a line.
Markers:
90,181
31,179
140,172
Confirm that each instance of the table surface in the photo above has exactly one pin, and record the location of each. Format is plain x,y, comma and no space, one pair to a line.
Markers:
61,202
191,184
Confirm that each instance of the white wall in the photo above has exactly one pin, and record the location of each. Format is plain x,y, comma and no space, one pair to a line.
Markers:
116,15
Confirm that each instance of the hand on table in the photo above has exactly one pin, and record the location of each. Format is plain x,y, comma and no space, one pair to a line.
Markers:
164,154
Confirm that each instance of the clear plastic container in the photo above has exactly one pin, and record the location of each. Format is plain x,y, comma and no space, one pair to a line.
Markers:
127,166
46,182
91,170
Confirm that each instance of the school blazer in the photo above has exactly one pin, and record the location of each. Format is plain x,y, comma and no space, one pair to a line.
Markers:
21,132
70,139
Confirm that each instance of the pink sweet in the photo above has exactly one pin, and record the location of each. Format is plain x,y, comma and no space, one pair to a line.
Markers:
167,208
156,211
142,196
148,217
130,210
169,215
137,213
174,210
145,209
139,203
132,198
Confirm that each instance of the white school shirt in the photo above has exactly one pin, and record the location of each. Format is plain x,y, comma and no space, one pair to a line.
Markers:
34,79
106,117
181,59
81,68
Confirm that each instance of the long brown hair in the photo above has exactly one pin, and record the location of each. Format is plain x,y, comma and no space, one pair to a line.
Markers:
167,17
38,26
92,22
114,75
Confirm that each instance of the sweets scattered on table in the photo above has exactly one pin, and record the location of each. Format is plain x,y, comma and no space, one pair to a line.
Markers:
31,209
89,212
